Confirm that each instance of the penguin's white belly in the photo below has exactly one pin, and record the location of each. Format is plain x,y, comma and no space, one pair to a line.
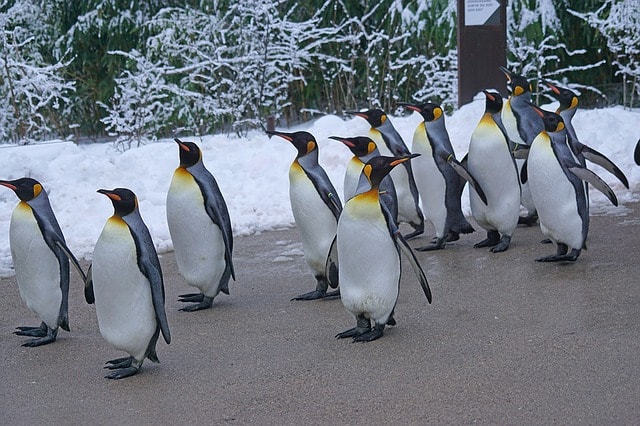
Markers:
37,268
431,186
369,270
315,222
124,307
555,197
197,241
490,162
351,177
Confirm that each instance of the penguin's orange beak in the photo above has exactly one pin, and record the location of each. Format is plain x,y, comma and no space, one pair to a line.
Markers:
110,194
8,185
345,141
285,136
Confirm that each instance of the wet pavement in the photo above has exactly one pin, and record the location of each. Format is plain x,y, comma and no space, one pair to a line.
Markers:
506,340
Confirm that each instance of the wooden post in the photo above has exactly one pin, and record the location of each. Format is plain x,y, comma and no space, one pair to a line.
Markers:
482,47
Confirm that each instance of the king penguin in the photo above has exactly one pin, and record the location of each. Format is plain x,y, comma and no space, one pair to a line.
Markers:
522,125
316,206
369,245
556,182
200,229
438,176
390,142
491,162
41,260
568,105
636,153
364,149
125,283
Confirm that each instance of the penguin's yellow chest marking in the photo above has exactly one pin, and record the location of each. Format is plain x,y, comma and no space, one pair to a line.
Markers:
365,205
182,180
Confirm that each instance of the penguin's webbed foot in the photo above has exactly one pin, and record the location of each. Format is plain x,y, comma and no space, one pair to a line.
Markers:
503,245
453,236
438,244
123,372
40,331
205,303
318,294
418,229
571,257
375,333
119,363
528,220
546,241
492,240
191,297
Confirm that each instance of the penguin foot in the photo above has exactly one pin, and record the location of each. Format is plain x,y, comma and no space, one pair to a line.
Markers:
122,373
375,333
40,331
437,245
528,220
492,240
49,338
119,363
363,325
418,230
191,297
318,294
546,241
453,236
503,245
571,257
206,303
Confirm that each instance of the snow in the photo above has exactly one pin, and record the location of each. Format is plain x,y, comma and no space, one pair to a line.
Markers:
252,173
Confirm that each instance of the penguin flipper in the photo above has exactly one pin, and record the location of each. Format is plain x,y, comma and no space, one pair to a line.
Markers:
636,153
523,173
406,249
72,258
464,173
88,287
588,176
520,151
216,209
331,267
602,160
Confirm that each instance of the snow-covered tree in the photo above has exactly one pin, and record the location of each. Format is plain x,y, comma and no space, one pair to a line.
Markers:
35,92
619,22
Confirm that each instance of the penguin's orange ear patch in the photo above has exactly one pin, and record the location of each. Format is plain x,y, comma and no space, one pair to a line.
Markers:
574,102
517,91
367,170
311,145
383,118
437,113
37,189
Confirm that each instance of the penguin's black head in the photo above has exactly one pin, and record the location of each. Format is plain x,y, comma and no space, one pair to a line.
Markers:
190,153
516,84
428,110
567,98
25,188
304,142
359,145
552,121
493,103
375,117
378,167
124,200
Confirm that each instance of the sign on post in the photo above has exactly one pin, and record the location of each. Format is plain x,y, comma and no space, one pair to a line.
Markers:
482,47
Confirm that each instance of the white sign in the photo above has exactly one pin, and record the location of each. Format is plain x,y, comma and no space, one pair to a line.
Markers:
477,12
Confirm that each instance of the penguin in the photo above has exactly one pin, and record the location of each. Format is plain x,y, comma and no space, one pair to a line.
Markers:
363,149
522,125
126,285
556,182
438,176
200,228
567,109
636,153
41,260
491,162
369,245
390,142
316,206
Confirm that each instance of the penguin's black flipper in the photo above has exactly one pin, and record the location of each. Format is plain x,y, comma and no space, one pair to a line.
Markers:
73,259
523,173
88,288
406,249
636,153
520,151
331,267
588,176
464,173
602,160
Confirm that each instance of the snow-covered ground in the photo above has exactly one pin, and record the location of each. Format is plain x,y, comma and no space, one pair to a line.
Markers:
252,172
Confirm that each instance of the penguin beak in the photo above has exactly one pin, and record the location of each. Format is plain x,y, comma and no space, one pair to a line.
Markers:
537,109
285,136
412,107
403,159
506,73
181,145
489,96
552,87
109,194
345,141
8,185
